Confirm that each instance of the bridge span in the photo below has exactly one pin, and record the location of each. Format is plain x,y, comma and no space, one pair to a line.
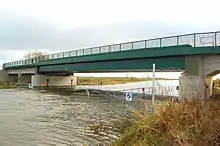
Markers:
196,54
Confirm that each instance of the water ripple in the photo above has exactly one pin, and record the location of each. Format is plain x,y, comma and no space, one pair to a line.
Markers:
32,118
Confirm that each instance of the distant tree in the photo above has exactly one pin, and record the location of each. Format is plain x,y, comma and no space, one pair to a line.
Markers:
33,54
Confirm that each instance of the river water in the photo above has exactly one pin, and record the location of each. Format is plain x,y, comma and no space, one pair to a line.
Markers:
54,118
135,85
32,118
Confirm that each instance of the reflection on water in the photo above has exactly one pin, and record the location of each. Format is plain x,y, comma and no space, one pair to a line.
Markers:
134,85
167,87
29,117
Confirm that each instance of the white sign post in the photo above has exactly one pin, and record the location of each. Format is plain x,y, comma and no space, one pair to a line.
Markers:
128,96
153,84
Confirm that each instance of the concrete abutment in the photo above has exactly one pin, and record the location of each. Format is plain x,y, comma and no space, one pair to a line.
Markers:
197,81
4,76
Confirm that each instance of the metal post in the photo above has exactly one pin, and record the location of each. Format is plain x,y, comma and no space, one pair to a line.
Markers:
177,41
215,39
160,42
109,48
153,85
194,40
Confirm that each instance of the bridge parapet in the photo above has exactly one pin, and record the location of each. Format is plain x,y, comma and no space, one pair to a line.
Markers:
195,40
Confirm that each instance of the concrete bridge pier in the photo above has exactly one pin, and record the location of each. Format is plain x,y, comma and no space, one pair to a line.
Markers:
24,79
25,76
4,76
196,81
53,80
13,78
20,79
193,86
39,79
193,81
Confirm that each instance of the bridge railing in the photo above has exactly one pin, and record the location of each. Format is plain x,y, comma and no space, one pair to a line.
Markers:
195,40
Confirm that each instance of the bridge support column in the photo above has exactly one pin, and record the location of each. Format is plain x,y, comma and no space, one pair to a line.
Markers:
19,79
24,79
193,86
193,81
13,78
53,81
209,83
4,76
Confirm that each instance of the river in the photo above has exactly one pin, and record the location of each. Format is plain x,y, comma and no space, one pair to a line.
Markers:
135,85
54,118
32,118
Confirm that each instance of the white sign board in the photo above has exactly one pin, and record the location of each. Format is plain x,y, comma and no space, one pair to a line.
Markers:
30,86
128,96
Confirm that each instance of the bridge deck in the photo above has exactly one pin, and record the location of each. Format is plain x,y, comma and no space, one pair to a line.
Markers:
194,40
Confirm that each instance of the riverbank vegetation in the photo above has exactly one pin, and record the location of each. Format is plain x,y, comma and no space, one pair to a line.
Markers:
110,80
6,85
187,122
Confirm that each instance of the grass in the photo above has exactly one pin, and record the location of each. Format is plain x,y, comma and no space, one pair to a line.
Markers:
5,85
109,80
190,122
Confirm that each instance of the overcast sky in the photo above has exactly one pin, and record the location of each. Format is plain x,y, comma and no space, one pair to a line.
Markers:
60,25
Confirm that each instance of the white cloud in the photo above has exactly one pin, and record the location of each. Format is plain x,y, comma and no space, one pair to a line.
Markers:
58,25
74,13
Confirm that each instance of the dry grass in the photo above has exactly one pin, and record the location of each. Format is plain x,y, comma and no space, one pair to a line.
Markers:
108,80
4,85
189,122
7,85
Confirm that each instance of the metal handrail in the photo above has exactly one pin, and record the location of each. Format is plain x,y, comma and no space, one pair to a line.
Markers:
161,90
195,40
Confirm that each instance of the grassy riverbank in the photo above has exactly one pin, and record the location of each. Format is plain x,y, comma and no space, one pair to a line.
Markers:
185,123
6,85
110,80
188,122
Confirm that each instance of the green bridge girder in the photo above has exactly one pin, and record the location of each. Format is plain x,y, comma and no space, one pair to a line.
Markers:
142,64
171,57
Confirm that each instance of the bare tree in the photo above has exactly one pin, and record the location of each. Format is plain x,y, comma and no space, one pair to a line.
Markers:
33,54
